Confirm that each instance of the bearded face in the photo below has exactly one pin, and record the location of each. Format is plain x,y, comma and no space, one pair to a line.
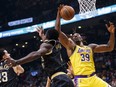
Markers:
76,37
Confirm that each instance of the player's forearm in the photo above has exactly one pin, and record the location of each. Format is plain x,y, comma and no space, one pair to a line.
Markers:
43,37
111,41
57,24
63,39
25,60
30,57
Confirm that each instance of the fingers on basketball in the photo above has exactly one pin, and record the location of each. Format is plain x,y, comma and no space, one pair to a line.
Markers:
60,7
67,12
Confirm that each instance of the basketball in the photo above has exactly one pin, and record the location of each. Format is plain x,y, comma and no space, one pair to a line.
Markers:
67,12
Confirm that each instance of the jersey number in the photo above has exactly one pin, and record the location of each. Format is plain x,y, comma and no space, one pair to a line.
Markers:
3,77
85,57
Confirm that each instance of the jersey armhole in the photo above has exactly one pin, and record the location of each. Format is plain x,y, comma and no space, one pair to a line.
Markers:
74,48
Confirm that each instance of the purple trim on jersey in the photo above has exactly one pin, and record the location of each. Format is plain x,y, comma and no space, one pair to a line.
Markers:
85,76
76,81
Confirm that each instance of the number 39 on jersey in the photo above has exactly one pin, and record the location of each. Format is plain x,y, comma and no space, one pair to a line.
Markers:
85,57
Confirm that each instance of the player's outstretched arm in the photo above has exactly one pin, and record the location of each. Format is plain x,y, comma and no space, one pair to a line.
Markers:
44,48
110,45
62,36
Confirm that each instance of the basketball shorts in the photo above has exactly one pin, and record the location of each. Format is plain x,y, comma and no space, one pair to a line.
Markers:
92,81
62,80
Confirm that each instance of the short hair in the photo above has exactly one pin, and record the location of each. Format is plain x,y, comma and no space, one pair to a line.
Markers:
52,34
1,53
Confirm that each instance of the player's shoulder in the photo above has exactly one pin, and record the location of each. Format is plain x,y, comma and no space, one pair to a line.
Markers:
52,42
46,45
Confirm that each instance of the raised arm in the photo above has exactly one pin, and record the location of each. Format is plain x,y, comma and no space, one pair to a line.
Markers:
62,37
106,47
40,31
44,48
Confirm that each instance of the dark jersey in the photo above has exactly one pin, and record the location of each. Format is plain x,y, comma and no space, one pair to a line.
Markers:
8,78
53,61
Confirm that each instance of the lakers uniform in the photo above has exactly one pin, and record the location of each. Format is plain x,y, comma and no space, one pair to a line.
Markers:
8,78
84,69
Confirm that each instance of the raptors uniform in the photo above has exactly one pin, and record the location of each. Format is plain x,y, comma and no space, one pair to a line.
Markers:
8,78
84,69
54,67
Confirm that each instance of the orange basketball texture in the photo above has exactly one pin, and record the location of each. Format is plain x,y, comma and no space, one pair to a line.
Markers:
67,12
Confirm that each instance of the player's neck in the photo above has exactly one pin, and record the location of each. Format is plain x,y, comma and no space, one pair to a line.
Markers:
80,44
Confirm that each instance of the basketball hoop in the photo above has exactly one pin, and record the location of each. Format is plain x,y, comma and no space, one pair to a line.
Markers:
87,8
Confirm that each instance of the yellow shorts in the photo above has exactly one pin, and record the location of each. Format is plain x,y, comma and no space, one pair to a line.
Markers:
92,81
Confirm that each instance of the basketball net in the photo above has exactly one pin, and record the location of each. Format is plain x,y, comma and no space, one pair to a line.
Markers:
87,8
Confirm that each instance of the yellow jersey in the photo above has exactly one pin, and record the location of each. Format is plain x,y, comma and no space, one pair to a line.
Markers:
82,61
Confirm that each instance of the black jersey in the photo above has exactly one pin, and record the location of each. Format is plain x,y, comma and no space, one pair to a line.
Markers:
8,78
53,61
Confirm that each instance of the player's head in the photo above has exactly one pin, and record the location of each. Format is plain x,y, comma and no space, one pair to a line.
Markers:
52,34
4,54
76,37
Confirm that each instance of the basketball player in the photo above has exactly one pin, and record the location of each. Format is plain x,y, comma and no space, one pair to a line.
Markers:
81,56
8,75
40,31
50,51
